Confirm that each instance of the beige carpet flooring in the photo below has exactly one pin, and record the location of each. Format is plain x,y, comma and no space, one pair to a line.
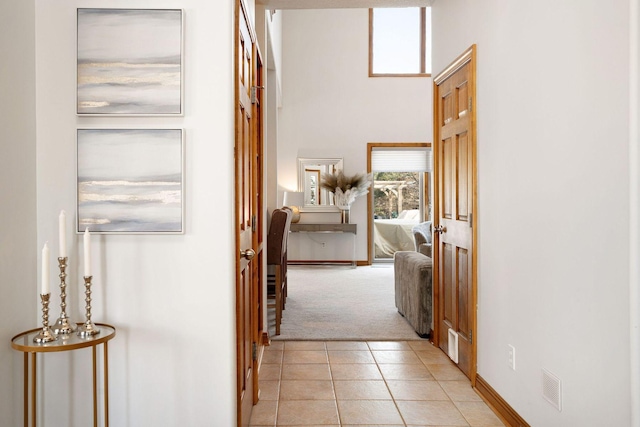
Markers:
338,303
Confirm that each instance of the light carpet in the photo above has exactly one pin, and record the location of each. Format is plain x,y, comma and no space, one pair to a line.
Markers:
337,303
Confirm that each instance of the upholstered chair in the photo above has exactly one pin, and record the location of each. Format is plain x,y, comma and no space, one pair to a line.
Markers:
422,238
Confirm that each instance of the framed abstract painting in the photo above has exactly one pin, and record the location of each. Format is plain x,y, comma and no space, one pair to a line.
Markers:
130,62
130,181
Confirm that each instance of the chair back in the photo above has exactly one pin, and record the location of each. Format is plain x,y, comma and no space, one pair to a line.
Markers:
285,244
277,236
422,234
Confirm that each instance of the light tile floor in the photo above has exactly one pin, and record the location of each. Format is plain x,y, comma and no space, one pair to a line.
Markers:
354,383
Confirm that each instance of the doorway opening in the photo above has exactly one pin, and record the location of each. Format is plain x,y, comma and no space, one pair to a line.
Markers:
400,198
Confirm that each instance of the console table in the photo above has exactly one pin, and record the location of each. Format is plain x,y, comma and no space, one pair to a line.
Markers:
24,342
329,228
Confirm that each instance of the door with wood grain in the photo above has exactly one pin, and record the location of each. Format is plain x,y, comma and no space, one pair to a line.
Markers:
454,222
248,184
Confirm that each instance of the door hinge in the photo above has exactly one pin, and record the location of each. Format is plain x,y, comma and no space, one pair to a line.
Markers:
471,220
471,336
255,351
470,103
254,220
254,93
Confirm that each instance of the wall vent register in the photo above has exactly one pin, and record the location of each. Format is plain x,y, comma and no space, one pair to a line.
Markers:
552,389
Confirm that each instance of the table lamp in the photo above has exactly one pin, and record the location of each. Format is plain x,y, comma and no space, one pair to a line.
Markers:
293,200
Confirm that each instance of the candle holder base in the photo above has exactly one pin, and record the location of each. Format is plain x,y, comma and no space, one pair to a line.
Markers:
87,330
64,327
45,336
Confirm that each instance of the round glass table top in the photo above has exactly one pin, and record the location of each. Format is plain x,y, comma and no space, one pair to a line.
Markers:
24,341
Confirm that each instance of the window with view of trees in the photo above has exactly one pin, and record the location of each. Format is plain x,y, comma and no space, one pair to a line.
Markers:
400,195
400,41
398,205
395,192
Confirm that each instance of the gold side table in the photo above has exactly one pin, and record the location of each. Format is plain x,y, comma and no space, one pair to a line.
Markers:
24,342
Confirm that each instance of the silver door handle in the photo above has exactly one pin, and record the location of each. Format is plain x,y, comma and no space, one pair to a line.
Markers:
440,229
248,254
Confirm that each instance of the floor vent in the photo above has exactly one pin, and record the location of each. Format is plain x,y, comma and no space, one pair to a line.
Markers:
453,345
552,389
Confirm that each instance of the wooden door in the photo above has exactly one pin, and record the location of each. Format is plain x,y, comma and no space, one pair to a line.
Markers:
454,222
248,184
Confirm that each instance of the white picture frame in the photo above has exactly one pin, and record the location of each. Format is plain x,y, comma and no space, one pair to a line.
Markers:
130,181
130,62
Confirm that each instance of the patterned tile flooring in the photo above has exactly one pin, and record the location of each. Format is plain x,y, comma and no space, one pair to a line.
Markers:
357,383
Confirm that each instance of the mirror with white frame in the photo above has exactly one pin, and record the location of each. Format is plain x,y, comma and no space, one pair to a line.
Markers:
310,173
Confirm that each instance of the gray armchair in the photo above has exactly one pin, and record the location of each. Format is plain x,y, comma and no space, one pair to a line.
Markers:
422,238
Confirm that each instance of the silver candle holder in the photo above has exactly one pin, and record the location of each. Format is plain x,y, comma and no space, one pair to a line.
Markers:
88,329
63,326
46,335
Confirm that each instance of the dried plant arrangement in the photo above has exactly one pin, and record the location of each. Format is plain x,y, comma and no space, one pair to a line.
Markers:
346,188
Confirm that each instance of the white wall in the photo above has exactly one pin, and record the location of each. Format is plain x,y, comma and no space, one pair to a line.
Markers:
274,26
171,298
18,252
553,183
269,36
634,190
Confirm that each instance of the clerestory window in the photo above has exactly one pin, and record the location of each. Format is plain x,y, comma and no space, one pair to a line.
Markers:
400,42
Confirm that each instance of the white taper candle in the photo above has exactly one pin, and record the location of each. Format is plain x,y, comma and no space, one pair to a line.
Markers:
62,233
45,269
87,252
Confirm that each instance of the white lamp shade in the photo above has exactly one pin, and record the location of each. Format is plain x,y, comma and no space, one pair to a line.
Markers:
293,198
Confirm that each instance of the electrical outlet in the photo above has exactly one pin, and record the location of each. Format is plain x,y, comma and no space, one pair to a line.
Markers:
512,356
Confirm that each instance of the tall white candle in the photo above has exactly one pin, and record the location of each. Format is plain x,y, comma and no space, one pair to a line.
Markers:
45,269
87,252
62,233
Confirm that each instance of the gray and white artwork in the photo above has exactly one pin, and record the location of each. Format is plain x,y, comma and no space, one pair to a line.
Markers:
130,61
130,180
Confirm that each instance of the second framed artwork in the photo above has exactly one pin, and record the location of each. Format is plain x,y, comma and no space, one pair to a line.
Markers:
130,181
130,62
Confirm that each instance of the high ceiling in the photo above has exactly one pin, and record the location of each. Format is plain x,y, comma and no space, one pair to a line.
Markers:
339,4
